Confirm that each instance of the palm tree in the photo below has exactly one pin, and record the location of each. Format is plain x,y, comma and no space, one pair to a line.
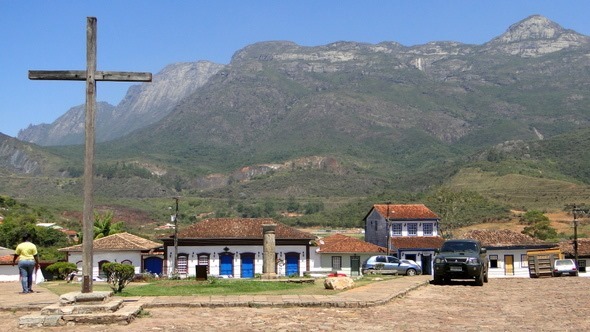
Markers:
104,226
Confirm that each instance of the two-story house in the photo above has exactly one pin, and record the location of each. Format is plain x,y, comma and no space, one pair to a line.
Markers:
408,231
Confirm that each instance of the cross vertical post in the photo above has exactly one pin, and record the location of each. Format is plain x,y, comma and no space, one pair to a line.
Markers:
90,75
88,213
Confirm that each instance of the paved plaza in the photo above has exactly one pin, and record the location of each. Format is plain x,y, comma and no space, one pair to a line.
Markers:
411,304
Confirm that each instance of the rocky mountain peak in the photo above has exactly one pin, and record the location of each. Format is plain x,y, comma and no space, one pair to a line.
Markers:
535,36
143,105
533,27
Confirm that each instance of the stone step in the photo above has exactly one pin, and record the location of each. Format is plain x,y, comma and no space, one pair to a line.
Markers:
79,297
124,315
38,320
59,309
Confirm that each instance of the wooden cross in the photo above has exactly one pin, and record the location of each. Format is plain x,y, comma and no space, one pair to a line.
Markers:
90,75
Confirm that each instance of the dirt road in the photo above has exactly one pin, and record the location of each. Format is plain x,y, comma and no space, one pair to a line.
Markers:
550,304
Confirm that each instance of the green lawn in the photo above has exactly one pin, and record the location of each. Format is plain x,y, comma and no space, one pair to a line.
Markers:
189,287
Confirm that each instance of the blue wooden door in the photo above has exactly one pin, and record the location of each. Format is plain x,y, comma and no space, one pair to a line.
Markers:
247,266
292,264
226,266
153,265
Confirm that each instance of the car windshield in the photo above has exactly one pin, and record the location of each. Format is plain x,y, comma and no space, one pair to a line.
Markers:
392,259
458,246
563,262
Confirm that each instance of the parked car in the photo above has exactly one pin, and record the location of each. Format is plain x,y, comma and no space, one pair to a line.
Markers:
391,264
564,266
461,259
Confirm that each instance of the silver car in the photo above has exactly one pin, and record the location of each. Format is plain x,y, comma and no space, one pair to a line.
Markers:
564,266
384,264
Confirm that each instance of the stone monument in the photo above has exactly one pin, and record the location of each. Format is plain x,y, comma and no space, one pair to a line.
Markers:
268,263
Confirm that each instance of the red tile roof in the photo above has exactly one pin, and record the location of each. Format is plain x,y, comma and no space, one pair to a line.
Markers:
239,228
339,243
417,242
405,211
69,232
6,256
502,237
118,242
567,247
7,260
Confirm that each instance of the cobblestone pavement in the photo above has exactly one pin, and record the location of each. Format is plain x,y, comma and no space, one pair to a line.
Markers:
547,304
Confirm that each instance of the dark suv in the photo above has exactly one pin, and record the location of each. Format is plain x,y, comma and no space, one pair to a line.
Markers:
461,259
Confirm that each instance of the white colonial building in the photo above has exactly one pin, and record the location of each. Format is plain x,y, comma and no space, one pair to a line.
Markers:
233,247
125,248
342,254
507,250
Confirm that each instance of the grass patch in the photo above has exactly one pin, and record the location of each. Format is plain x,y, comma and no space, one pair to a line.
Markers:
188,287
62,287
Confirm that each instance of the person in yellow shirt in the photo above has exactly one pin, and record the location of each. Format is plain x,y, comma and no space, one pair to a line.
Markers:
28,260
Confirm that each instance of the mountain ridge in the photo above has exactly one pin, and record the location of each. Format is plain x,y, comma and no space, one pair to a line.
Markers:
142,105
356,116
148,103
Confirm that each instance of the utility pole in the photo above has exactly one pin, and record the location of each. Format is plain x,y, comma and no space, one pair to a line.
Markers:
574,212
387,223
175,270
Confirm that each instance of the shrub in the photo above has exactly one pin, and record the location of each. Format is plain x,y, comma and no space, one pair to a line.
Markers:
119,275
62,269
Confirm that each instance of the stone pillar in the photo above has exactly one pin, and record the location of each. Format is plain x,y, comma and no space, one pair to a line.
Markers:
268,263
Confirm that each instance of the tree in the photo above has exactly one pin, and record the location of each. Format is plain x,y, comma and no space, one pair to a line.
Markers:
533,216
539,225
292,205
119,275
62,269
104,226
313,207
541,230
47,239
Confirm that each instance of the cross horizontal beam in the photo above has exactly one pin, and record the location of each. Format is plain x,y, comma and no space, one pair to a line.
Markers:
80,75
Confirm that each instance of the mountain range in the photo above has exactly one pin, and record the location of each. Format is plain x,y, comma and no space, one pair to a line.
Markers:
343,119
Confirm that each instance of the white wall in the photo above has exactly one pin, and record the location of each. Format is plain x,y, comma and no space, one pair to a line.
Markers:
236,250
419,227
111,256
9,273
323,262
520,263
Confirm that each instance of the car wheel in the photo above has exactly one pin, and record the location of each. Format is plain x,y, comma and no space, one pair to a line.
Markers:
485,277
410,272
438,280
479,280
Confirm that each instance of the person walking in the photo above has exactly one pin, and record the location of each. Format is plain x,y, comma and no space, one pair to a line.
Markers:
28,261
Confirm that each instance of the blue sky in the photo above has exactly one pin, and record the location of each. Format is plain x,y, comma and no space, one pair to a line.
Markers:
147,35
